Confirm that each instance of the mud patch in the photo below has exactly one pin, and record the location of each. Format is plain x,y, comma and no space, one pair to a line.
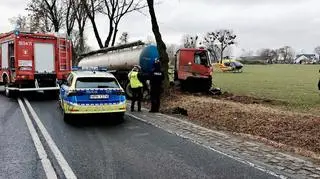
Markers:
248,99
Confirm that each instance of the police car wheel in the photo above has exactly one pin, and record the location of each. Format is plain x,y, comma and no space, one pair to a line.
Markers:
120,118
66,117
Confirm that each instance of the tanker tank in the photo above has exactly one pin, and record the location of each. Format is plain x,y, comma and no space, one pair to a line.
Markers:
124,59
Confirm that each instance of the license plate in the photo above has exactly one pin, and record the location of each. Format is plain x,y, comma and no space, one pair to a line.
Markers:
99,96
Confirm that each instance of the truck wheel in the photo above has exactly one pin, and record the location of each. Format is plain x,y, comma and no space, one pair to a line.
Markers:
9,93
208,84
183,85
175,76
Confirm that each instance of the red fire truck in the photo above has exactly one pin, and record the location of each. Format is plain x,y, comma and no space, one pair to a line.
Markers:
33,61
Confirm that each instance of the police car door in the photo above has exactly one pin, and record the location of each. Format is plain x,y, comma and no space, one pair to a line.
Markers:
64,89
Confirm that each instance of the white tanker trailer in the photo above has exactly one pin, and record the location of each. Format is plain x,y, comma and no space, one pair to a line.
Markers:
124,59
120,60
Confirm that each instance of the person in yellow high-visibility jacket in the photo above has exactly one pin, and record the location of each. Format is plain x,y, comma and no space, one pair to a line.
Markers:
136,86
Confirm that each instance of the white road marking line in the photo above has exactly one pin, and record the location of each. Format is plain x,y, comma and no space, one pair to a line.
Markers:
46,164
69,174
211,148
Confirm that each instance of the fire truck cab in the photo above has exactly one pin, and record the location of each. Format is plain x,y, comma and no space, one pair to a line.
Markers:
33,61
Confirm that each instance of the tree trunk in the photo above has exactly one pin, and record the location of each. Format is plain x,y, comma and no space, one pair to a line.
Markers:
114,35
164,58
69,31
221,53
74,56
96,32
81,40
111,29
214,55
56,26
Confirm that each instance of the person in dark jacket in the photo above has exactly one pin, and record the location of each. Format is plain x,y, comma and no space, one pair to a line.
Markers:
319,82
156,79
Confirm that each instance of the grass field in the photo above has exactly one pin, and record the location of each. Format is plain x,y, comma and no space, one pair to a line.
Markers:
294,84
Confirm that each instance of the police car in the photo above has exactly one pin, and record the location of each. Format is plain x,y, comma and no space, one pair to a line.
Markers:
92,92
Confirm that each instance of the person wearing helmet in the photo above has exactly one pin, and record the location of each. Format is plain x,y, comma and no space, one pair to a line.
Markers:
156,79
136,86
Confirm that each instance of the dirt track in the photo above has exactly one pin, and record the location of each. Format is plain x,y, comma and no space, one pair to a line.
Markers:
249,116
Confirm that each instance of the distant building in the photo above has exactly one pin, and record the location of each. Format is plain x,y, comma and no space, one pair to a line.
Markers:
306,59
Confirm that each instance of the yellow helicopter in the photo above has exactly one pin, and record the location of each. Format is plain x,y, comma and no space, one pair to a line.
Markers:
230,65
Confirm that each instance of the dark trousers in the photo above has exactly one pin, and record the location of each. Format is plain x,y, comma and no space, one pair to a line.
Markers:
136,96
155,100
319,85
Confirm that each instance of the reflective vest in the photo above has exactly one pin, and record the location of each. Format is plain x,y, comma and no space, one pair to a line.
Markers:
134,81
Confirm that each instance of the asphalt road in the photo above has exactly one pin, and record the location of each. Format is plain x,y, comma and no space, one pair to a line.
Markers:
96,148
18,156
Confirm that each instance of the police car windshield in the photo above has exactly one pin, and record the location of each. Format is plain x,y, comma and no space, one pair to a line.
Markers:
96,82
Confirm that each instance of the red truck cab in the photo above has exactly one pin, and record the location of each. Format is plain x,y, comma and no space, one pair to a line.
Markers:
193,68
33,61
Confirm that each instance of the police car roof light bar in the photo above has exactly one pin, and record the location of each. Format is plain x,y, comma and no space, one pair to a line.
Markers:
99,68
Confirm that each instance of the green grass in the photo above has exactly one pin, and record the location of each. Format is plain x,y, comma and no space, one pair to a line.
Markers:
294,84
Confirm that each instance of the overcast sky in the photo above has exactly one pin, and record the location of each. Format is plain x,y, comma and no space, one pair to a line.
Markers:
258,23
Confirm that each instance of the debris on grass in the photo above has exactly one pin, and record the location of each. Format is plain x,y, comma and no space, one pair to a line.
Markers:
250,116
180,111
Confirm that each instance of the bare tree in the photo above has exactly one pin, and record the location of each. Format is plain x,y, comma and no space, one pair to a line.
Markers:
21,23
40,20
190,41
54,10
81,18
287,53
215,53
220,39
92,7
164,58
212,47
268,55
70,15
124,38
33,22
116,10
172,49
317,51
79,46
